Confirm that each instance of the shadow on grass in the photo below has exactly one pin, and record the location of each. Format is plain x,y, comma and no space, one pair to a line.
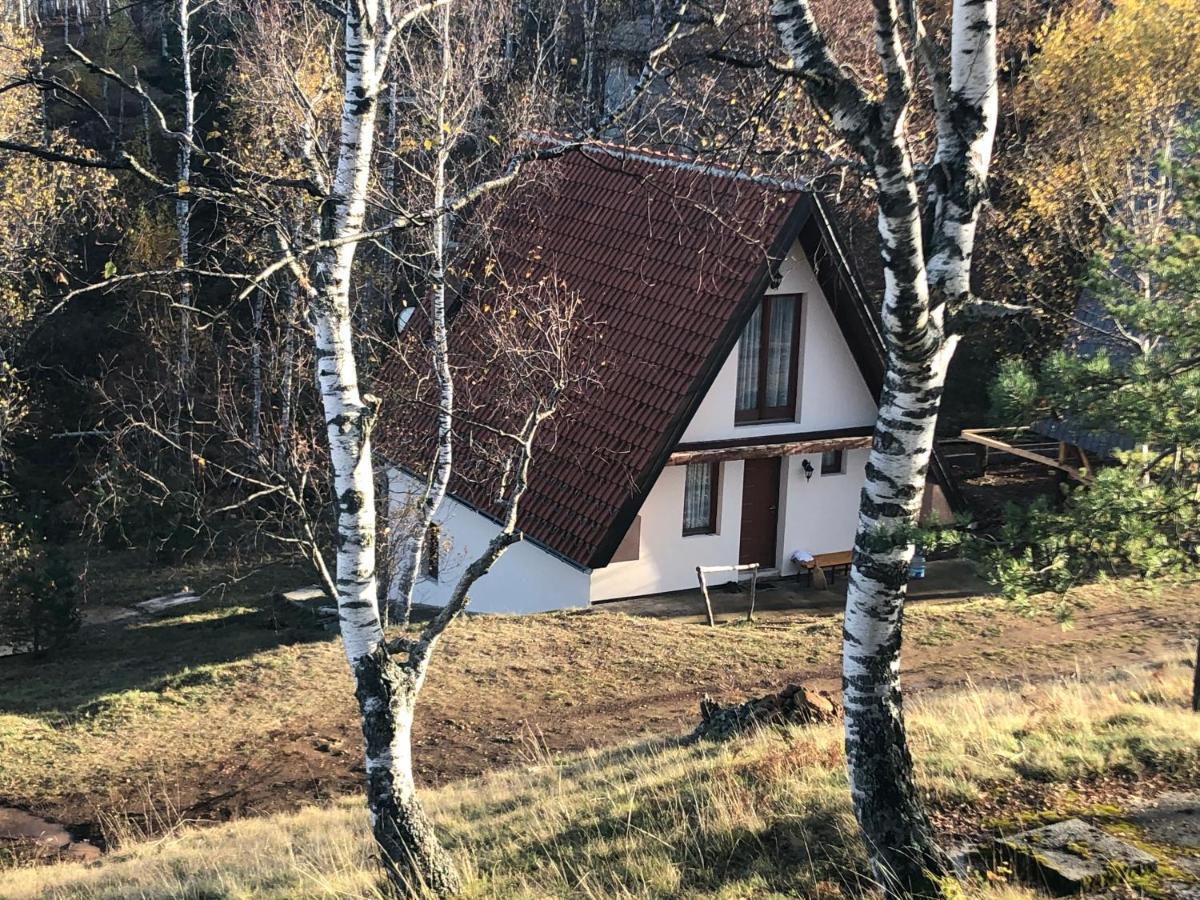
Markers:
149,655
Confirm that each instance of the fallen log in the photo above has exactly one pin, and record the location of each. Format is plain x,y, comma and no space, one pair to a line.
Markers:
794,705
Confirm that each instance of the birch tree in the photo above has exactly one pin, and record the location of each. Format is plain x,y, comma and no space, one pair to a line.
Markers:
183,206
408,544
926,246
389,674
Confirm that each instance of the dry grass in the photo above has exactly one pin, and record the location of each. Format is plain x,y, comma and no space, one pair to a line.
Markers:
761,817
218,712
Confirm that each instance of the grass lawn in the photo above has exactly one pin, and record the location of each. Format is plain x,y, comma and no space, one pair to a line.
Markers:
761,817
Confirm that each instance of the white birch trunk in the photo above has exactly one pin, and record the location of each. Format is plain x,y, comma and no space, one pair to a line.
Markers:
386,690
590,15
256,382
183,207
287,372
412,536
919,296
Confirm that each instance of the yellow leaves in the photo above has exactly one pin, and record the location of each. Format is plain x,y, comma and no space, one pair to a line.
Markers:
183,188
495,140
41,203
574,61
1100,94
427,144
445,128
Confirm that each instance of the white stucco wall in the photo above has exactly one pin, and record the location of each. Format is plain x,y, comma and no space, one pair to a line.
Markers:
668,558
832,391
819,515
525,579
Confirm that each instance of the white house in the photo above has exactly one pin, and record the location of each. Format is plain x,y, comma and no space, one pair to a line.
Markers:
734,417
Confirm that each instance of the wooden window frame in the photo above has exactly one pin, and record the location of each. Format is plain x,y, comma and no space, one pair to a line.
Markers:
709,527
787,412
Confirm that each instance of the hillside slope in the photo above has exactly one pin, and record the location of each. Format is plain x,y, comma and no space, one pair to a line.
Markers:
240,709
760,817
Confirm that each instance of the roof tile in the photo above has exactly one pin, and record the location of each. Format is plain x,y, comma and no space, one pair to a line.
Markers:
662,255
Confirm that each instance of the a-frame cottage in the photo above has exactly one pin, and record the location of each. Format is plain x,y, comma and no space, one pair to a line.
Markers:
734,405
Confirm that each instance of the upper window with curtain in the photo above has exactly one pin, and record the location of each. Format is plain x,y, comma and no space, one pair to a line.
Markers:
769,361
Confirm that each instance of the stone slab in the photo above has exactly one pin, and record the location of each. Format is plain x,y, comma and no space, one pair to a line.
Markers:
18,825
161,606
305,595
32,837
1171,818
1182,890
1072,856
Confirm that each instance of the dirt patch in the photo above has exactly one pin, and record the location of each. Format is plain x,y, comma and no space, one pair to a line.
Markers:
26,837
232,710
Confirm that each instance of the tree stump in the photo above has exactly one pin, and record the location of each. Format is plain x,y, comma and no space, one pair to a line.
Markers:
794,705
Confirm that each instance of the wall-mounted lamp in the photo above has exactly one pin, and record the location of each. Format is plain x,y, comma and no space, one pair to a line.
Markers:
808,469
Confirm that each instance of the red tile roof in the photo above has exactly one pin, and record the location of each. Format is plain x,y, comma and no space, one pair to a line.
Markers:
668,259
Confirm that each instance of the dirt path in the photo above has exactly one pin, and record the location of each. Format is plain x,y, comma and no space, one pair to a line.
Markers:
267,729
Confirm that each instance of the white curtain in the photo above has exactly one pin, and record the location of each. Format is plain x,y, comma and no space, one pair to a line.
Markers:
697,496
779,350
748,354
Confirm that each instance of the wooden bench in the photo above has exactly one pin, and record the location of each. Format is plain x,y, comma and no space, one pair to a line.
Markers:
833,563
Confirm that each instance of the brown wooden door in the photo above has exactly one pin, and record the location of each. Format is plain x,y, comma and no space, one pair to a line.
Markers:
760,512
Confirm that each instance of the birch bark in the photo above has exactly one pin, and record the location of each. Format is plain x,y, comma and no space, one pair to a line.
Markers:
256,386
386,686
407,561
924,286
183,204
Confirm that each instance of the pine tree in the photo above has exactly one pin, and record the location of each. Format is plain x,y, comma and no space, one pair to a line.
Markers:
1134,372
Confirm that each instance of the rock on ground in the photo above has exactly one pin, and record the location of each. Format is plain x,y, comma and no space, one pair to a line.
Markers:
1171,818
1072,856
161,606
26,835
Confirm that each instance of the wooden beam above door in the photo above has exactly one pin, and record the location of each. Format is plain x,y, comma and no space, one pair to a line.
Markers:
685,455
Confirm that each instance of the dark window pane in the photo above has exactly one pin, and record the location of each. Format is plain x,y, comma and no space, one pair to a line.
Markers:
832,462
768,361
